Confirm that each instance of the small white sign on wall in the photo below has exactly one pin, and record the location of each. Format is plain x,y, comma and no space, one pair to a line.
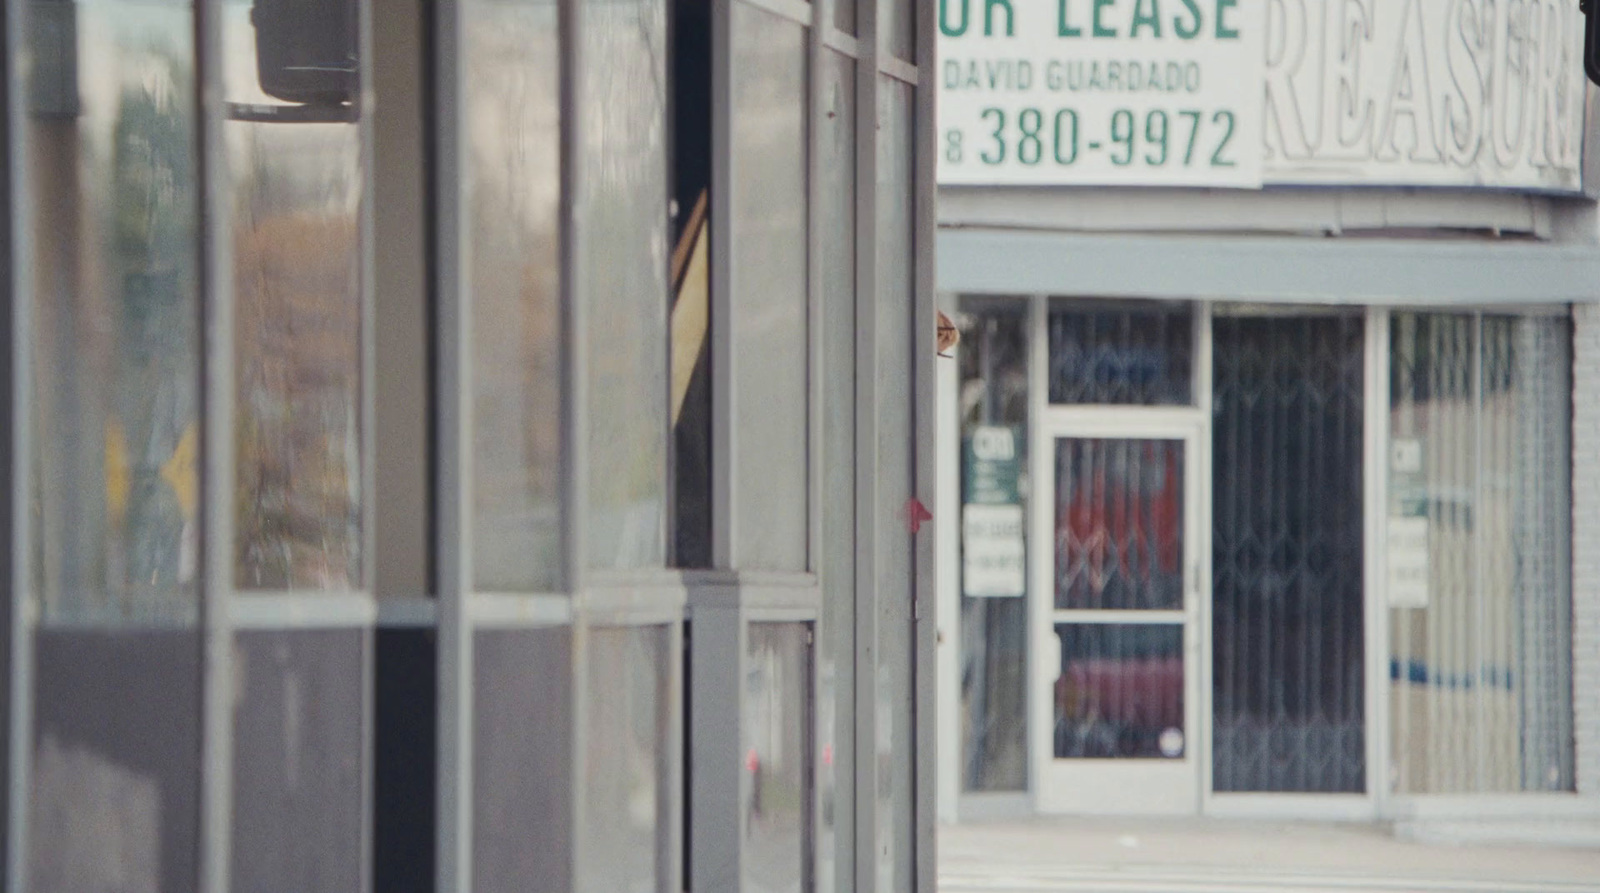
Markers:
992,551
1407,557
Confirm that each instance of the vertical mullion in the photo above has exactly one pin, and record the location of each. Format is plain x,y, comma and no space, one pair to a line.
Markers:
866,445
216,264
369,418
453,471
722,287
1478,643
1375,632
820,12
18,641
574,352
821,17
924,426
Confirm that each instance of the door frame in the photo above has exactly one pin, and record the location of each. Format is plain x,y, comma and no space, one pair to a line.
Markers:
1115,786
1189,423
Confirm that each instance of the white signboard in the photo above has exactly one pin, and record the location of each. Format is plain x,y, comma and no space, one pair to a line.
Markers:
1425,92
991,551
1126,92
1463,93
1407,556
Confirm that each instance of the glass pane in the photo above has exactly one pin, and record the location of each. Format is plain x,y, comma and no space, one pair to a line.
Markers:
777,728
115,784
1120,692
1119,524
895,448
1478,554
510,159
106,143
769,270
522,761
993,354
626,799
624,247
1138,354
1287,555
298,811
297,259
115,341
836,632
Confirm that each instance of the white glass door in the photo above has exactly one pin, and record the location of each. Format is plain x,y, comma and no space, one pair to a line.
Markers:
1116,603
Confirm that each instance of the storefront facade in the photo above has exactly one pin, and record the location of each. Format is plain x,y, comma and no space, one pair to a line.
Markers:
1273,484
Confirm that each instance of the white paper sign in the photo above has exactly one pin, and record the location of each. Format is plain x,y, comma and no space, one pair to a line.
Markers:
1126,92
992,552
1407,558
1425,92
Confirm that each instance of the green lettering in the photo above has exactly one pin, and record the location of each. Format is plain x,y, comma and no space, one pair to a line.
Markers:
988,16
945,27
1191,30
1223,31
1101,30
1142,20
1062,28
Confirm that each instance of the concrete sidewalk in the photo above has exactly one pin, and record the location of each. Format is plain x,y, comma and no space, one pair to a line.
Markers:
1220,856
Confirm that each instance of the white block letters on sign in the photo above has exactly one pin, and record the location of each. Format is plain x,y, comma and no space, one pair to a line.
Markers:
1425,92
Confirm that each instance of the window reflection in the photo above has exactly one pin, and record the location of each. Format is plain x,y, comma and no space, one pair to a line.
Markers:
511,119
106,146
297,193
112,170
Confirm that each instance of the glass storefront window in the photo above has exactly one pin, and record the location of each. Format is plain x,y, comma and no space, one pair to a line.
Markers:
511,189
623,143
993,398
1479,553
777,728
769,208
1136,354
106,145
294,152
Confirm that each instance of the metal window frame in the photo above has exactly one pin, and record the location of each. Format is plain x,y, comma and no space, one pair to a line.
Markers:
16,648
225,611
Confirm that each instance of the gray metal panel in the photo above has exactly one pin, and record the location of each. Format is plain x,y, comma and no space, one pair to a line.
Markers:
400,383
925,484
866,449
1266,269
715,655
217,469
453,865
15,648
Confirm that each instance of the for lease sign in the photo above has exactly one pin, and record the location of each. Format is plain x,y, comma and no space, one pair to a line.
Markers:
1133,92
1466,93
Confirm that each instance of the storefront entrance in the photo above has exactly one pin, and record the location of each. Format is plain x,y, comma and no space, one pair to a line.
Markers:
1116,611
1193,638
1281,560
